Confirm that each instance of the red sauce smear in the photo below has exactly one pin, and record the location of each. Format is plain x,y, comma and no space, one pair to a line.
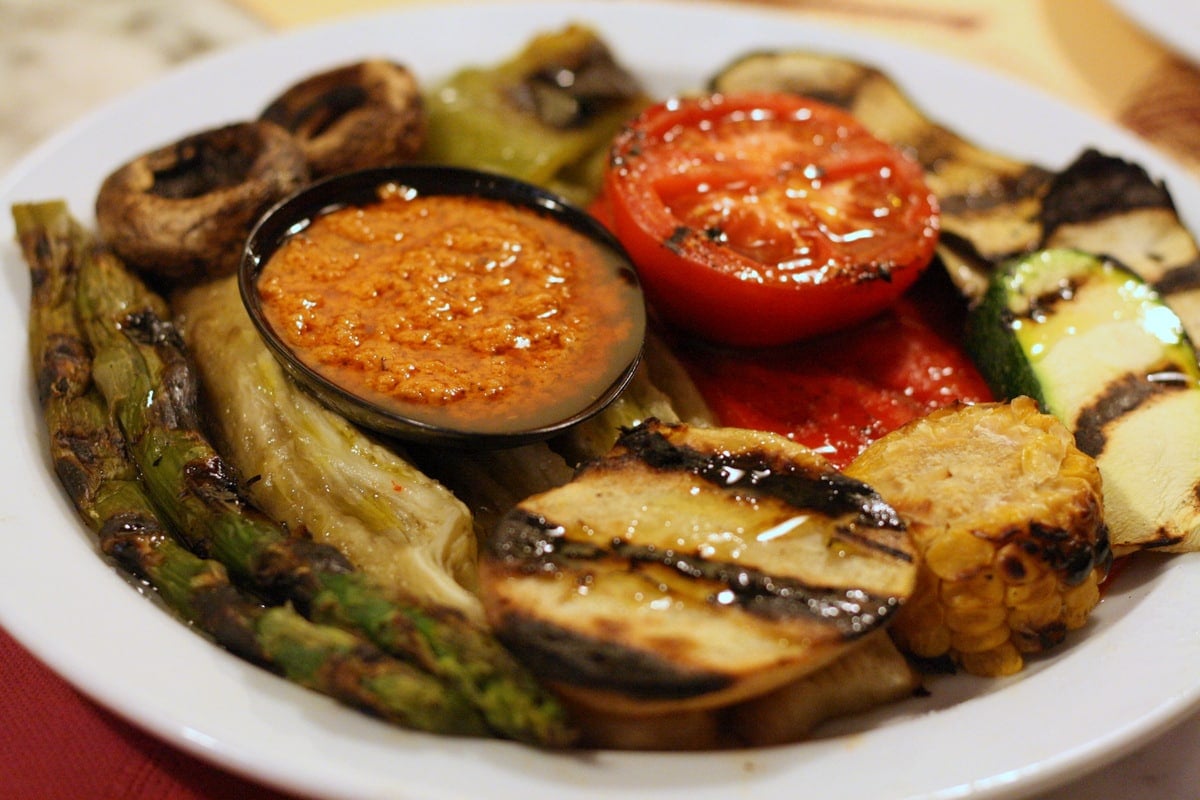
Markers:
838,393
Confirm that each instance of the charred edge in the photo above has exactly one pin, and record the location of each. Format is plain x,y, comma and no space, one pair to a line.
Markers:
1179,279
831,493
210,481
1002,193
147,327
176,406
1103,561
1162,538
1122,396
567,94
42,248
347,676
1096,186
292,569
65,368
80,455
676,240
221,610
560,655
130,538
1065,554
533,544
1035,640
965,250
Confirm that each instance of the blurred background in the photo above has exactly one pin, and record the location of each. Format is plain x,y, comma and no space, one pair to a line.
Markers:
61,58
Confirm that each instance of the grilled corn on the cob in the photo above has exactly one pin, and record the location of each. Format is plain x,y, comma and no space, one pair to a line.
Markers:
1006,513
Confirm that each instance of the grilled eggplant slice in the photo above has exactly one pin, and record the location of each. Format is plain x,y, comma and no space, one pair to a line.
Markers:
692,567
995,207
1097,347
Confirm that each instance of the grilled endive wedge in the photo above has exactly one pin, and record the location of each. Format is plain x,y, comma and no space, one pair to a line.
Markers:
309,468
993,206
693,567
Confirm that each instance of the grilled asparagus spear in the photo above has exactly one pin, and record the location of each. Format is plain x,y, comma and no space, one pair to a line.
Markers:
141,370
89,456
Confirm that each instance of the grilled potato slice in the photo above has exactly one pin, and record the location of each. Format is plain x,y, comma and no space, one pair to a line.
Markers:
693,567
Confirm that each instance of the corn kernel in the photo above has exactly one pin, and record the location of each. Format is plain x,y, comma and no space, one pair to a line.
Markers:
1033,592
921,637
957,553
1040,614
994,663
979,640
1079,601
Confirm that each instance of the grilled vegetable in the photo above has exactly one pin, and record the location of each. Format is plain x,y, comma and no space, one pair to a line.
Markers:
309,468
181,212
355,116
759,218
89,456
872,674
994,207
1097,347
1006,513
987,200
691,568
146,379
544,115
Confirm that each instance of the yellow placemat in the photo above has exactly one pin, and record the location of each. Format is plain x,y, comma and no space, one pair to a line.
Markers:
1083,51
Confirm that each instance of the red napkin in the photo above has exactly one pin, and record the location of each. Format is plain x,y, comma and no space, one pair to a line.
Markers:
55,744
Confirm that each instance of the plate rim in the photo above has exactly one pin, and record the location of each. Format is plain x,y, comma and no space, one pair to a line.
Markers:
167,722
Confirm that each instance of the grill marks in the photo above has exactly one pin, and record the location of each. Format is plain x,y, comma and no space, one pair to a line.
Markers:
539,544
532,543
1120,397
693,567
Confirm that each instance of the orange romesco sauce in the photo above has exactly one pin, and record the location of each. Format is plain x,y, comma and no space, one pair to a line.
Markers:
458,311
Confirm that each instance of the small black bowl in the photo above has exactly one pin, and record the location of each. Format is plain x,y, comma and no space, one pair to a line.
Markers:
293,214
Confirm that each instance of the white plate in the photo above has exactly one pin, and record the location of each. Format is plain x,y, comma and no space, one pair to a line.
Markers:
1175,22
1130,673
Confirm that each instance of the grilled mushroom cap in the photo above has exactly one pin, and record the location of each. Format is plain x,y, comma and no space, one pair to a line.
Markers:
367,114
182,212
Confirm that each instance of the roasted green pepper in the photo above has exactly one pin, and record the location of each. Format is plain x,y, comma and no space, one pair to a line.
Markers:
545,115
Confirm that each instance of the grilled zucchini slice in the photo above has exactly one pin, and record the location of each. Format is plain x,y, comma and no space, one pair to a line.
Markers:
693,567
1099,349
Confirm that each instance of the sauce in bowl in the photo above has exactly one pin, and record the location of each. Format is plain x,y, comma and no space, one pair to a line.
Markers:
446,312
